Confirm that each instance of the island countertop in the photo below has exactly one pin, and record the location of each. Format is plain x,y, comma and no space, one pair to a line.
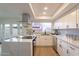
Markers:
20,39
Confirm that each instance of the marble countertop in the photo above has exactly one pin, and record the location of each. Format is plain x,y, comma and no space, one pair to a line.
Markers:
19,39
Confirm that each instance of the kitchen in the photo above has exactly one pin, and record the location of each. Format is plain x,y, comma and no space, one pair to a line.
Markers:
39,29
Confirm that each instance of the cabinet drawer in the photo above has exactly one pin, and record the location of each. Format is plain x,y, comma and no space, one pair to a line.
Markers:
74,51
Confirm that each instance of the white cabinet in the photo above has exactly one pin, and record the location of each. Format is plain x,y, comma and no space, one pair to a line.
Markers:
62,23
37,43
66,49
73,51
71,19
17,49
44,40
59,47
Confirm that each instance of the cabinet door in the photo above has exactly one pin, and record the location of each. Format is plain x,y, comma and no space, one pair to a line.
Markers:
65,48
59,47
78,17
71,19
46,41
62,48
38,40
63,23
74,51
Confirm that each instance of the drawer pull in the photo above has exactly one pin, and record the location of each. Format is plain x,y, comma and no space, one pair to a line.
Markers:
72,48
67,51
60,46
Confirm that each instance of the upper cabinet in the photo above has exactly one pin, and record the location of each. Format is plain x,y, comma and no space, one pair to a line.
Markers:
69,21
62,23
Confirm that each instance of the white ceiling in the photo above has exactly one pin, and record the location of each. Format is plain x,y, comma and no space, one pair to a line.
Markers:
38,9
13,11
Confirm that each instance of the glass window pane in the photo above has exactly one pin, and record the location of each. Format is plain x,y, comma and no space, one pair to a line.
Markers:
7,31
21,29
14,30
43,27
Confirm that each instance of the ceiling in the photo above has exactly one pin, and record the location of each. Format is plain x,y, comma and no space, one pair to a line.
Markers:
13,11
40,12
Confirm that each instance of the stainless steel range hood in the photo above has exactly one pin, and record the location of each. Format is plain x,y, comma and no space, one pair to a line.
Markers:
25,19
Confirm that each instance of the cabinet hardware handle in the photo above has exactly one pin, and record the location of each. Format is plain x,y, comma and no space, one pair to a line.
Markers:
60,46
77,25
72,48
67,51
67,26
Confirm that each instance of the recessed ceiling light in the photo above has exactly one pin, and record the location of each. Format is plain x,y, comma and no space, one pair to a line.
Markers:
44,13
45,8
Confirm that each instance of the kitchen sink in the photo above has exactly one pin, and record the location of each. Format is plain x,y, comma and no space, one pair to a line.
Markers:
27,37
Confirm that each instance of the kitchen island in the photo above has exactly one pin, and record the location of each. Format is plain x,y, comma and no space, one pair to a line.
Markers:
18,46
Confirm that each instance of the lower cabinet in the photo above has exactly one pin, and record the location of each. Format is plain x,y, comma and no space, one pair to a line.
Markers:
59,49
73,51
17,49
66,49
62,48
44,40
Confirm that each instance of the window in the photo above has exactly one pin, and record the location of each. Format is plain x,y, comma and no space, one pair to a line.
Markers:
0,32
46,27
14,30
7,31
20,29
43,27
36,26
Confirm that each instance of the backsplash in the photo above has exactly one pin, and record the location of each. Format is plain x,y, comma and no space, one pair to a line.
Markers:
69,32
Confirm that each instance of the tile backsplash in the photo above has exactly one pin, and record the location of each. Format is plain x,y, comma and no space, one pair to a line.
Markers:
74,32
70,33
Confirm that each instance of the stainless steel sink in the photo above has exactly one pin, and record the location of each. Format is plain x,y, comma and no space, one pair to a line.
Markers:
27,37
